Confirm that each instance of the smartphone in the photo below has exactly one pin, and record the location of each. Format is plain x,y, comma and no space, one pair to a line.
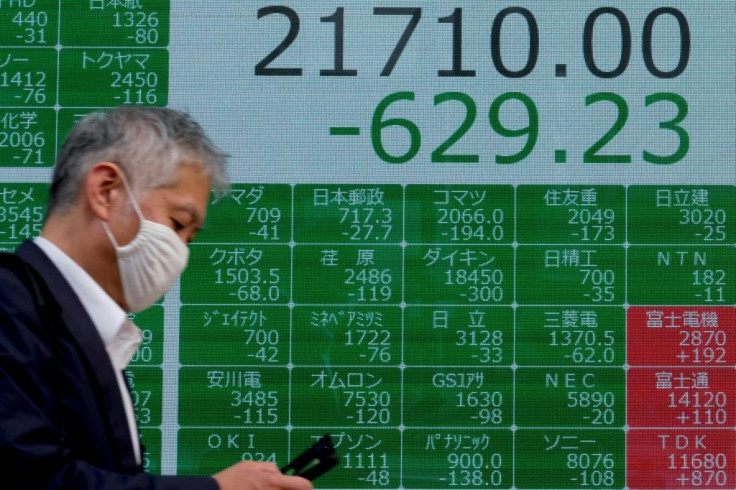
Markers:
315,461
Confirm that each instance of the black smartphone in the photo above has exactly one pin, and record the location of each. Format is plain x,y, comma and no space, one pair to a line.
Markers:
315,461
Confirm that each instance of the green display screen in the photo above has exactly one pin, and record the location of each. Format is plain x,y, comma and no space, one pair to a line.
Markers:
482,244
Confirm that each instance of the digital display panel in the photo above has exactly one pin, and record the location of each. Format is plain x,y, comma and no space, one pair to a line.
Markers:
482,244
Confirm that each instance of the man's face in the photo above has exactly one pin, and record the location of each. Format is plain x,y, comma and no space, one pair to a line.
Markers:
181,205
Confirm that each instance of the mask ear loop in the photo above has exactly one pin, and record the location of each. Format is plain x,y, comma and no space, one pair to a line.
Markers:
136,208
131,196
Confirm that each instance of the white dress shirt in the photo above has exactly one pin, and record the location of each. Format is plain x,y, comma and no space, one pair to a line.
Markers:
119,335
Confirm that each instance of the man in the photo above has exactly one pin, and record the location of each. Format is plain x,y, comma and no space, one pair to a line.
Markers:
129,192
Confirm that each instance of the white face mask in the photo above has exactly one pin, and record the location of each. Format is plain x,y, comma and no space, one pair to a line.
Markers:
151,262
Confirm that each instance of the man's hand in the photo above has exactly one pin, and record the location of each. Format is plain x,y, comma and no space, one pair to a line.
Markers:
251,475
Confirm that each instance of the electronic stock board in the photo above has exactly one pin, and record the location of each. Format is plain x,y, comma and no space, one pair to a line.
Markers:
484,244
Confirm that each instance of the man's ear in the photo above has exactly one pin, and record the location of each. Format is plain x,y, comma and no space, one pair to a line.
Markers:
102,186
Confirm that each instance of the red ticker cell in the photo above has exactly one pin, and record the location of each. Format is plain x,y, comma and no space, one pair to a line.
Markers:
703,459
676,397
681,336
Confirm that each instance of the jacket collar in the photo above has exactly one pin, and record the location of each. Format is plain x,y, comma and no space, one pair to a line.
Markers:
76,319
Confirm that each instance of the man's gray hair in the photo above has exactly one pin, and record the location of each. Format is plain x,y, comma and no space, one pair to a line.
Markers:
148,143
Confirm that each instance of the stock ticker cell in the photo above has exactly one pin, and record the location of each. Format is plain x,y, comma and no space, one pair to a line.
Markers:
28,77
121,23
115,76
27,137
698,336
685,458
681,397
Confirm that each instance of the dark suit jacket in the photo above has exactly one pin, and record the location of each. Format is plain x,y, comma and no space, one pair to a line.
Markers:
62,421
